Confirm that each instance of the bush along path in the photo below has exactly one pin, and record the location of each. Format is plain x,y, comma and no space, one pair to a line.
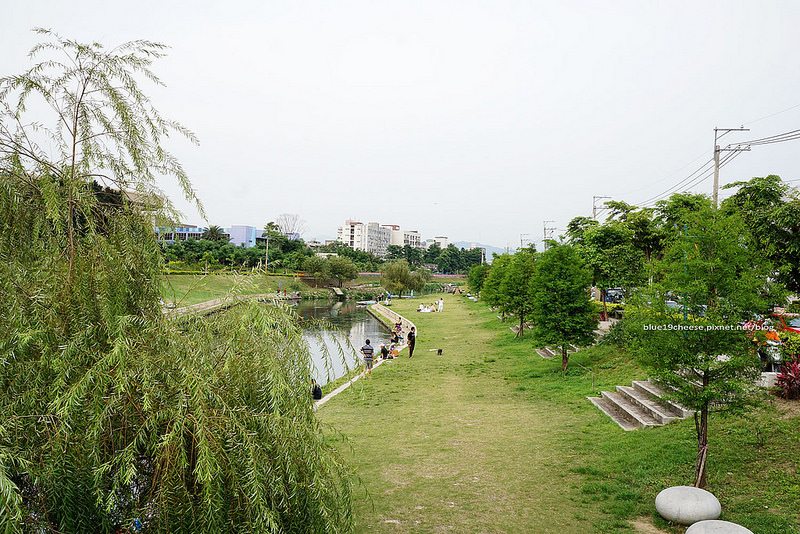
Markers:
442,443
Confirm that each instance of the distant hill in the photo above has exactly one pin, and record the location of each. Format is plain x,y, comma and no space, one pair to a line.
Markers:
489,249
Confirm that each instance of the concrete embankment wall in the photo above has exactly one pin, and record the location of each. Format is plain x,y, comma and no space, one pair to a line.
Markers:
383,314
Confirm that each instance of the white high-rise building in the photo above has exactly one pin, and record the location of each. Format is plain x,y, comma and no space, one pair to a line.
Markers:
404,237
369,237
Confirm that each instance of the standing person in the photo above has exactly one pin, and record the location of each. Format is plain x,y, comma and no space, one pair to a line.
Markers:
441,304
412,339
368,353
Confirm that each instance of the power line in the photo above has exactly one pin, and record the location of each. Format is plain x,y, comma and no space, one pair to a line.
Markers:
702,173
779,138
772,115
679,184
697,181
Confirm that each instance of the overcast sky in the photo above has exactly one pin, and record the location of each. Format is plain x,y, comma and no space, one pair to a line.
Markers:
473,120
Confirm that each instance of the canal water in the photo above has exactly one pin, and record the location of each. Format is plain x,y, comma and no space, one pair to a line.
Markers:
350,323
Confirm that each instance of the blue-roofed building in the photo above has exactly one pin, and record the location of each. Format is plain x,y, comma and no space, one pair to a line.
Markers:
239,235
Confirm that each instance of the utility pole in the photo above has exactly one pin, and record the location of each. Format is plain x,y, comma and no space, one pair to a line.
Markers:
594,206
523,238
266,257
548,233
717,150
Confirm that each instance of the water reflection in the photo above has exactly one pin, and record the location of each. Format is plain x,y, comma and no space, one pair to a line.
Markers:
352,323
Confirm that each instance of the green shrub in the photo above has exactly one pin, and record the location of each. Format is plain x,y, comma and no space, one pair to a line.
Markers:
791,346
619,335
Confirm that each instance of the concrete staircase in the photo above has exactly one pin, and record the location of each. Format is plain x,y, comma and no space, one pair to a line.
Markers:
549,352
640,405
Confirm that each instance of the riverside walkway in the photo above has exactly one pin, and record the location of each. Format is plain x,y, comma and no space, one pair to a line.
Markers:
378,310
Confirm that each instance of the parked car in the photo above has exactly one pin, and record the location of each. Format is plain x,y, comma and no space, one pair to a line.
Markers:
615,295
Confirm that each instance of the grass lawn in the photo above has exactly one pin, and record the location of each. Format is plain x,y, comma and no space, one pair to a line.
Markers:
489,437
188,289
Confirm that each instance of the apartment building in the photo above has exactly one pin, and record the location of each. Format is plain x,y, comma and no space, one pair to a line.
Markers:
404,237
369,237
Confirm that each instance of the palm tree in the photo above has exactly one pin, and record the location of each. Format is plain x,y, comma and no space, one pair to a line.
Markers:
216,233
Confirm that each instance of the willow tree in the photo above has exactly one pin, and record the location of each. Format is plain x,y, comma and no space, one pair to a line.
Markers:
113,416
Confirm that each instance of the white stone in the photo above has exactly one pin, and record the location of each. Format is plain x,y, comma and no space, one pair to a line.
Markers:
686,505
715,526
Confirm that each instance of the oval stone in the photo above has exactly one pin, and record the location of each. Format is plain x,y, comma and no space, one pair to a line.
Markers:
686,505
715,526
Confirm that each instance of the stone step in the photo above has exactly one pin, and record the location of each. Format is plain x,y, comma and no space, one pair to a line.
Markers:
651,388
544,353
622,418
557,350
649,404
632,410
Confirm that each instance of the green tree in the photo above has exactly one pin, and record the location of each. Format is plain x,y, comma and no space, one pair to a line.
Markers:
449,261
316,267
771,212
562,309
516,290
477,276
396,278
412,255
394,252
418,279
492,288
112,412
698,351
431,254
576,229
342,269
610,254
215,233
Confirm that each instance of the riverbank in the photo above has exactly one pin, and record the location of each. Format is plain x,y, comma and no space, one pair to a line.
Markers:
489,437
386,317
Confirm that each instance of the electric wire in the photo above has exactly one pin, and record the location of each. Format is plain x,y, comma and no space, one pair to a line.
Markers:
689,181
680,184
697,181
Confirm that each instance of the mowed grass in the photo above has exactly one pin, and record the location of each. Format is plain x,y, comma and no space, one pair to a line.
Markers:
188,289
445,444
489,437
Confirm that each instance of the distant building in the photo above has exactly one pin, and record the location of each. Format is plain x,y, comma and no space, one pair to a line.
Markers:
238,235
439,240
244,236
404,237
369,237
179,233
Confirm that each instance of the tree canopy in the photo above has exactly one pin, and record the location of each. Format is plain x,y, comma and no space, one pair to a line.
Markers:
562,309
113,414
698,349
